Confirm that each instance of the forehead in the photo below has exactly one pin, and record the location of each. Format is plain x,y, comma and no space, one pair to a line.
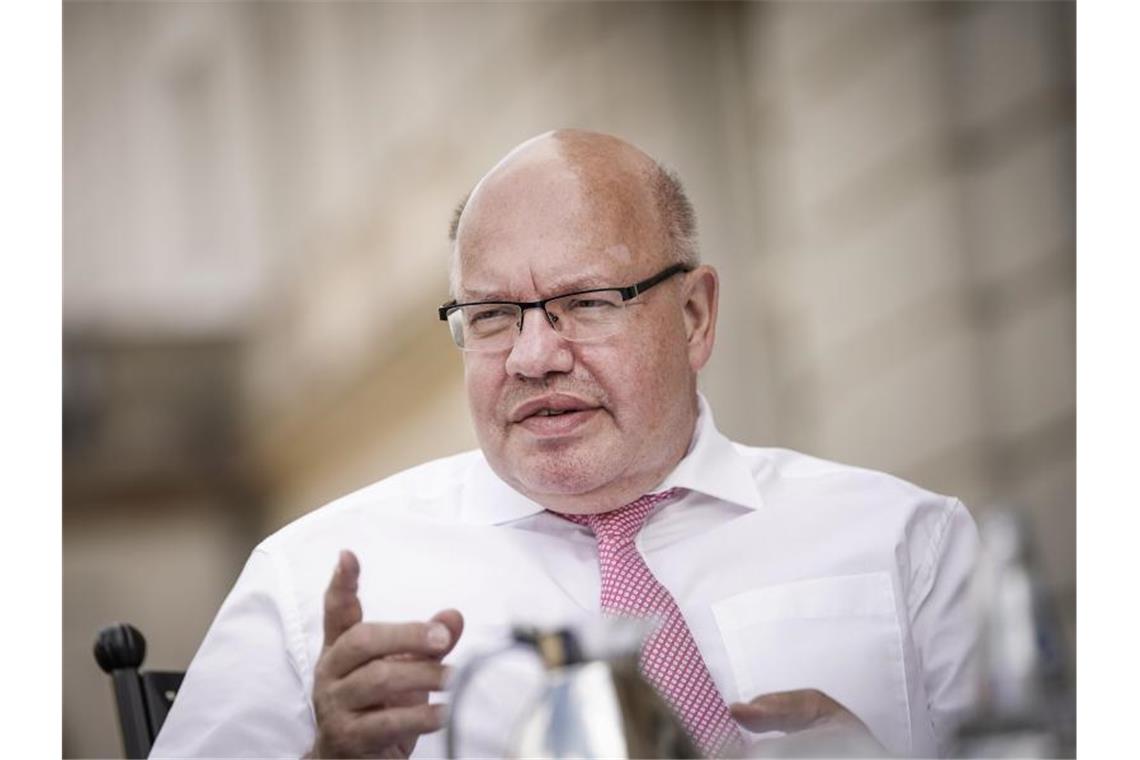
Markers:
541,228
516,278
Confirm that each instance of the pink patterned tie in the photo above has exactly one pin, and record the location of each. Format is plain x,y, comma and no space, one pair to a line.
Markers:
670,659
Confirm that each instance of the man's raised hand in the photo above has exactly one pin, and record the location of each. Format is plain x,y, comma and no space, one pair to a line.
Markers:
372,680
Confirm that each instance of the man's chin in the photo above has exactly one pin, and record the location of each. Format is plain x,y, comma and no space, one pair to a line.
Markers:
561,484
559,474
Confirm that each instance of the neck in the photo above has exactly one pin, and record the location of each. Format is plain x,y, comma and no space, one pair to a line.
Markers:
605,499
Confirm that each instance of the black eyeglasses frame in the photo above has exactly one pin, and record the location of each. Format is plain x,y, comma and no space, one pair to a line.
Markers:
629,292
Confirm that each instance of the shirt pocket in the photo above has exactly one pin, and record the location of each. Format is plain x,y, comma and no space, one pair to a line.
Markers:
839,634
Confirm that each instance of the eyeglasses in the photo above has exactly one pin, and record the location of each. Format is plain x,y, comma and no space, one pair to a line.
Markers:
583,315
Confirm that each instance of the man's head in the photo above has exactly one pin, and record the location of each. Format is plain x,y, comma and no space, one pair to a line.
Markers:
567,211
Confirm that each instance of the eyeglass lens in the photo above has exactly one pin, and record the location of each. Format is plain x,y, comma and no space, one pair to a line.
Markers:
578,317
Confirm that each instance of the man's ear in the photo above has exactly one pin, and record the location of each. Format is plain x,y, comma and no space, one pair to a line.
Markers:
701,291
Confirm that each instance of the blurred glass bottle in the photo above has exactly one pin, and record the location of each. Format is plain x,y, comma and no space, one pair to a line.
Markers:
1026,705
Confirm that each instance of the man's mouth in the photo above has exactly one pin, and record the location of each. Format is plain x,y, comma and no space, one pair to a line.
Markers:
551,405
554,415
553,412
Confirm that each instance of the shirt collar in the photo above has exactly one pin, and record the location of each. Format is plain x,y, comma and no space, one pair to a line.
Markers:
712,466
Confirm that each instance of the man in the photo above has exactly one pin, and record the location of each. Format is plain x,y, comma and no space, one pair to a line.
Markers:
795,594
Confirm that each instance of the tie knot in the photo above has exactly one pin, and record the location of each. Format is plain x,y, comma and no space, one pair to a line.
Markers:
622,524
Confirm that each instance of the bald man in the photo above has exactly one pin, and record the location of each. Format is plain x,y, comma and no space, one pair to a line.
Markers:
797,597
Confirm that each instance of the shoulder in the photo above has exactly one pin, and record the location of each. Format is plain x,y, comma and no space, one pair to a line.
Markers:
426,493
792,479
879,511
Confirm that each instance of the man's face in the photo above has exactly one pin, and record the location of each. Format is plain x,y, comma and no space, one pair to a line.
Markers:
529,233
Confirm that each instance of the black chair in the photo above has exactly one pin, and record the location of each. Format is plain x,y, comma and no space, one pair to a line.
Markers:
141,699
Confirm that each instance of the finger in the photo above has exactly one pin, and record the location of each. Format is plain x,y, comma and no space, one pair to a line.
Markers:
409,699
370,641
342,605
787,711
413,697
389,682
380,728
453,620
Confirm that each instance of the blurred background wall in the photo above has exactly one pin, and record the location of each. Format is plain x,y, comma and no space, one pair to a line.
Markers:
256,203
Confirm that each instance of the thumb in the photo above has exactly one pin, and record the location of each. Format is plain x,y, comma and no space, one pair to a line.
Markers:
342,606
787,711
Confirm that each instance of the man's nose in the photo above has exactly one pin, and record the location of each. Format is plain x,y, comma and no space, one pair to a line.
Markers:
539,349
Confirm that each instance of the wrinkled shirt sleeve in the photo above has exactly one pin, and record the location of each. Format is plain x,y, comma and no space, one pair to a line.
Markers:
944,621
243,695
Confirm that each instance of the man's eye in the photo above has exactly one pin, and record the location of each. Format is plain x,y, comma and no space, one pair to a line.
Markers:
592,303
489,314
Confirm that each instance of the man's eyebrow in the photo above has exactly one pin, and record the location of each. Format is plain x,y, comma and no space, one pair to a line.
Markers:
580,282
466,295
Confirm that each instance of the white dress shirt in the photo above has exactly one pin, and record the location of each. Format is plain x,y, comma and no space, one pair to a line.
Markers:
791,572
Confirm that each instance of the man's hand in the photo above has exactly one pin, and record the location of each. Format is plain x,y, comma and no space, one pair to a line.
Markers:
817,726
372,680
